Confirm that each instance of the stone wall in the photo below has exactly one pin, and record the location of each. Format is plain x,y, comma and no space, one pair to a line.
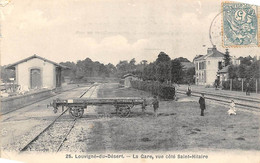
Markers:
13,103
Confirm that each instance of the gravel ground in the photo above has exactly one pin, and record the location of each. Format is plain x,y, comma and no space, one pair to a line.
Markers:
19,127
50,140
81,135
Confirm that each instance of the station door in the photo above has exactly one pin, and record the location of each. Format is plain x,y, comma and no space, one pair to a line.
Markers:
36,80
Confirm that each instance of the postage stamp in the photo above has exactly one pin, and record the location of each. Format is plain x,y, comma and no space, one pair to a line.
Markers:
239,25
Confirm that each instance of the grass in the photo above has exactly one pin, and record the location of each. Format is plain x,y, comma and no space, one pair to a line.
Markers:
178,126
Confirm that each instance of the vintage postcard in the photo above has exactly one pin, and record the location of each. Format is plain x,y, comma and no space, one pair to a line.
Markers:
129,81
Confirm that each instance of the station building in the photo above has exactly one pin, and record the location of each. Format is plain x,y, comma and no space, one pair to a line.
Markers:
36,72
207,66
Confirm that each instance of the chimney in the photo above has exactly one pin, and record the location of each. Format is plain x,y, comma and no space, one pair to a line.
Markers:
214,48
210,50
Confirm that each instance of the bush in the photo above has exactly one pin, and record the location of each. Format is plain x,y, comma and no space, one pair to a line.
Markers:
226,84
162,90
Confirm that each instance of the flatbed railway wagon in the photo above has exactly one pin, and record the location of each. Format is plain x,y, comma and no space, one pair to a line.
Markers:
77,106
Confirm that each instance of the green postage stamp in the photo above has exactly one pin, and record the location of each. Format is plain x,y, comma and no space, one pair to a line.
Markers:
240,25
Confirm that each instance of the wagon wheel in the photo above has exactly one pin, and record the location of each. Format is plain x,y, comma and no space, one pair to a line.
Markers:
76,111
123,111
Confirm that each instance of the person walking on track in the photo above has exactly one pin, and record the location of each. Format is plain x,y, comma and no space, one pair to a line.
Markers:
155,105
202,104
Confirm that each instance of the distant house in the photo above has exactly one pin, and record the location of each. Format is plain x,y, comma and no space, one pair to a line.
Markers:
128,78
234,61
207,66
36,72
223,74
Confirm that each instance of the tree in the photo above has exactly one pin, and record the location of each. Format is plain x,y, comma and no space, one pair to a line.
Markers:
122,67
143,62
70,72
242,71
254,70
149,72
232,71
163,71
227,58
181,59
162,67
87,68
162,57
246,60
188,75
176,71
111,69
132,61
132,65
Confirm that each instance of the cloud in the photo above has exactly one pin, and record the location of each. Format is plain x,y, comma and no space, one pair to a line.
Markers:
108,31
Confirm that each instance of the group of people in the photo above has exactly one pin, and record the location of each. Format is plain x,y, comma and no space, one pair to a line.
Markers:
231,111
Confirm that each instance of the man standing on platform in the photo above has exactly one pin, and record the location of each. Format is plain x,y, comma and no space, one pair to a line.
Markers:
202,104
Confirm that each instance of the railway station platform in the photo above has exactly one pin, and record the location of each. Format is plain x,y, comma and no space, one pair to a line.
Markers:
201,88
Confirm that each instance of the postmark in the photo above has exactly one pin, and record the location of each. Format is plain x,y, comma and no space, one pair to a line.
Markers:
239,25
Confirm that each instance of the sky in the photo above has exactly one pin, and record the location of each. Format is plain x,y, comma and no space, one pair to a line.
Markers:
110,30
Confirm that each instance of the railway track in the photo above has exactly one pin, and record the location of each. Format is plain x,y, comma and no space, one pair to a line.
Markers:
241,102
55,134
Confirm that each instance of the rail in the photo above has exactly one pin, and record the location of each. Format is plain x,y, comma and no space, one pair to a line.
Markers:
25,148
242,102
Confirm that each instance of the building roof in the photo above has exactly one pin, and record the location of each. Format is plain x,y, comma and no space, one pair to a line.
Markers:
212,52
223,70
197,56
129,74
12,66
